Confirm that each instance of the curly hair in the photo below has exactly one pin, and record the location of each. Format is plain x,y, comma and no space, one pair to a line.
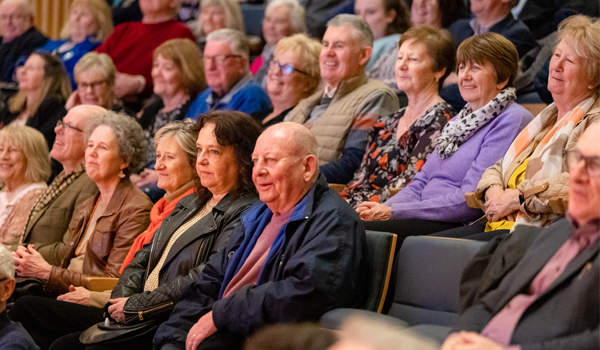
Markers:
237,130
130,138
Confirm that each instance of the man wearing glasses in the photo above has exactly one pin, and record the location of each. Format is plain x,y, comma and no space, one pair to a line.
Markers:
538,288
230,85
49,219
12,335
19,37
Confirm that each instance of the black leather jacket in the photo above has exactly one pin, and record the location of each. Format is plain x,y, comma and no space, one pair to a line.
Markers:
186,258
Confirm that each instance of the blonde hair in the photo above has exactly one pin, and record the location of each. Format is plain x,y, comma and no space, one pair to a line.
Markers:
97,62
233,14
56,81
186,55
102,16
306,49
582,34
34,148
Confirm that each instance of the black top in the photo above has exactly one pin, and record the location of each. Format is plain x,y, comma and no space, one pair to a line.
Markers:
260,115
20,47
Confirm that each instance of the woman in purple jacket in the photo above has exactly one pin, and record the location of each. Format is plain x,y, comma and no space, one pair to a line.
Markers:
471,142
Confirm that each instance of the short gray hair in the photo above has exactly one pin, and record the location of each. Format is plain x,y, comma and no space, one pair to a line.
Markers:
362,30
238,42
185,133
130,138
7,265
295,10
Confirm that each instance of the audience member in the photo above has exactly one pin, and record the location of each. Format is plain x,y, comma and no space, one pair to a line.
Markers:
282,18
387,19
538,287
47,225
529,184
12,335
125,11
295,255
24,170
230,85
399,143
43,89
105,225
178,75
472,141
198,228
432,13
89,24
217,14
293,75
19,37
95,76
341,114
304,336
131,45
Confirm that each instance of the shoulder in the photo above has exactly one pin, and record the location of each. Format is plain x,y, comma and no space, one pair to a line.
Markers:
13,336
252,89
136,199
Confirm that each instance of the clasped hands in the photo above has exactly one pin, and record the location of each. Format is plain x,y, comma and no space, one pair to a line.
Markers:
373,211
30,263
501,204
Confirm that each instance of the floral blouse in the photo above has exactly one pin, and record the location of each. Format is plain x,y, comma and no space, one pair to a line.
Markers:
389,163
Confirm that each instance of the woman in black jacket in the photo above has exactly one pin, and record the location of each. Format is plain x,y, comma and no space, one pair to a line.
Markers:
198,227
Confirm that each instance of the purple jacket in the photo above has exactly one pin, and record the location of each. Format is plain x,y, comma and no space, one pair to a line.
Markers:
438,191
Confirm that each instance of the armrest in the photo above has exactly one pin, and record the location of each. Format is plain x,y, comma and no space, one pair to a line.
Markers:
394,191
100,284
337,187
335,318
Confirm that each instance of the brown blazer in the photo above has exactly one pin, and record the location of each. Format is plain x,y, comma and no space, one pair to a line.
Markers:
126,216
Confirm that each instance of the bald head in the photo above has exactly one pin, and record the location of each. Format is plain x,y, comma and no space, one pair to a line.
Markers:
584,176
285,165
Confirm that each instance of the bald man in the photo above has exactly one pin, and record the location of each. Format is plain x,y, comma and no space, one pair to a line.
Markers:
297,254
49,219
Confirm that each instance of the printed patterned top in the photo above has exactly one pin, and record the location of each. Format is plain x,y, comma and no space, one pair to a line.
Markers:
389,163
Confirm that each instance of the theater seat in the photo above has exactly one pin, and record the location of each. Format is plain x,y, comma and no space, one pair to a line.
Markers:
100,284
381,248
427,282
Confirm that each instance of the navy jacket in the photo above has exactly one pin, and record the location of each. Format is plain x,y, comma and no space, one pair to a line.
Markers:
13,336
17,50
320,266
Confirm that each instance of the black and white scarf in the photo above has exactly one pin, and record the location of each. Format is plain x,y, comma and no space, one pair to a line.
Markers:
468,122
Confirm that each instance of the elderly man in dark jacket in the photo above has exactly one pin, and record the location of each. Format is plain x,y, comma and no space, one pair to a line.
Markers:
296,255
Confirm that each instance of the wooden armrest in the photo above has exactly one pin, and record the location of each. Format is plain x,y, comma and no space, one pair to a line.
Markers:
337,187
394,191
101,284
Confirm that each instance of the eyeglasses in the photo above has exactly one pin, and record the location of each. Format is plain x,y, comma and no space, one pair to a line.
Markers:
94,84
61,124
219,59
592,163
285,69
13,17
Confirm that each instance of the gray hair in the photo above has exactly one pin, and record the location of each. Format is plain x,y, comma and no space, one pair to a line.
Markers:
7,265
97,62
362,31
238,42
233,14
295,10
24,5
185,133
130,138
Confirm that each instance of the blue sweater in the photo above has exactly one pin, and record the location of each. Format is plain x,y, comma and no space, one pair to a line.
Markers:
438,191
71,57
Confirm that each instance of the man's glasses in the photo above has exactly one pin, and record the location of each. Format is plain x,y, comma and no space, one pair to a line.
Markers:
219,59
592,163
285,69
64,125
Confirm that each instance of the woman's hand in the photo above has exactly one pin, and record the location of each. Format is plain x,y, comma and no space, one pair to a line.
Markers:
372,211
116,309
126,84
500,203
145,178
77,295
73,100
30,263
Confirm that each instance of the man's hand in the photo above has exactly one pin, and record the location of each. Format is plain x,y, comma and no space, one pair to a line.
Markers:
77,295
501,203
469,341
116,309
30,263
372,211
204,328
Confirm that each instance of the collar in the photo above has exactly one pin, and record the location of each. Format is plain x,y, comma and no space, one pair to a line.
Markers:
213,102
347,86
169,197
586,233
118,197
329,92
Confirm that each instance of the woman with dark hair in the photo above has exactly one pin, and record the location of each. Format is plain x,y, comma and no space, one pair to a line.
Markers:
197,228
388,19
44,87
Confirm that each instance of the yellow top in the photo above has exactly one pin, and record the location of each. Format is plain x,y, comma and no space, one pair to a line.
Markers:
515,179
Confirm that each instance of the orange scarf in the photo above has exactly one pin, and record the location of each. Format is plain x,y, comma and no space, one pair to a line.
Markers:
159,212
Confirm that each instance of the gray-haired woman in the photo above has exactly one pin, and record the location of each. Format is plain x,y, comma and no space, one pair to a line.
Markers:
104,227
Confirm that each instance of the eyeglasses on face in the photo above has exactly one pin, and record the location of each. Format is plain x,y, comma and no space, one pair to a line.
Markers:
67,126
94,84
592,163
219,59
285,69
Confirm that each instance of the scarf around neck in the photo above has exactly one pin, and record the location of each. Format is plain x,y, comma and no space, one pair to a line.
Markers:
467,122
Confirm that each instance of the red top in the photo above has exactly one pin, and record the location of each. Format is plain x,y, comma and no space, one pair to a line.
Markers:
131,45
